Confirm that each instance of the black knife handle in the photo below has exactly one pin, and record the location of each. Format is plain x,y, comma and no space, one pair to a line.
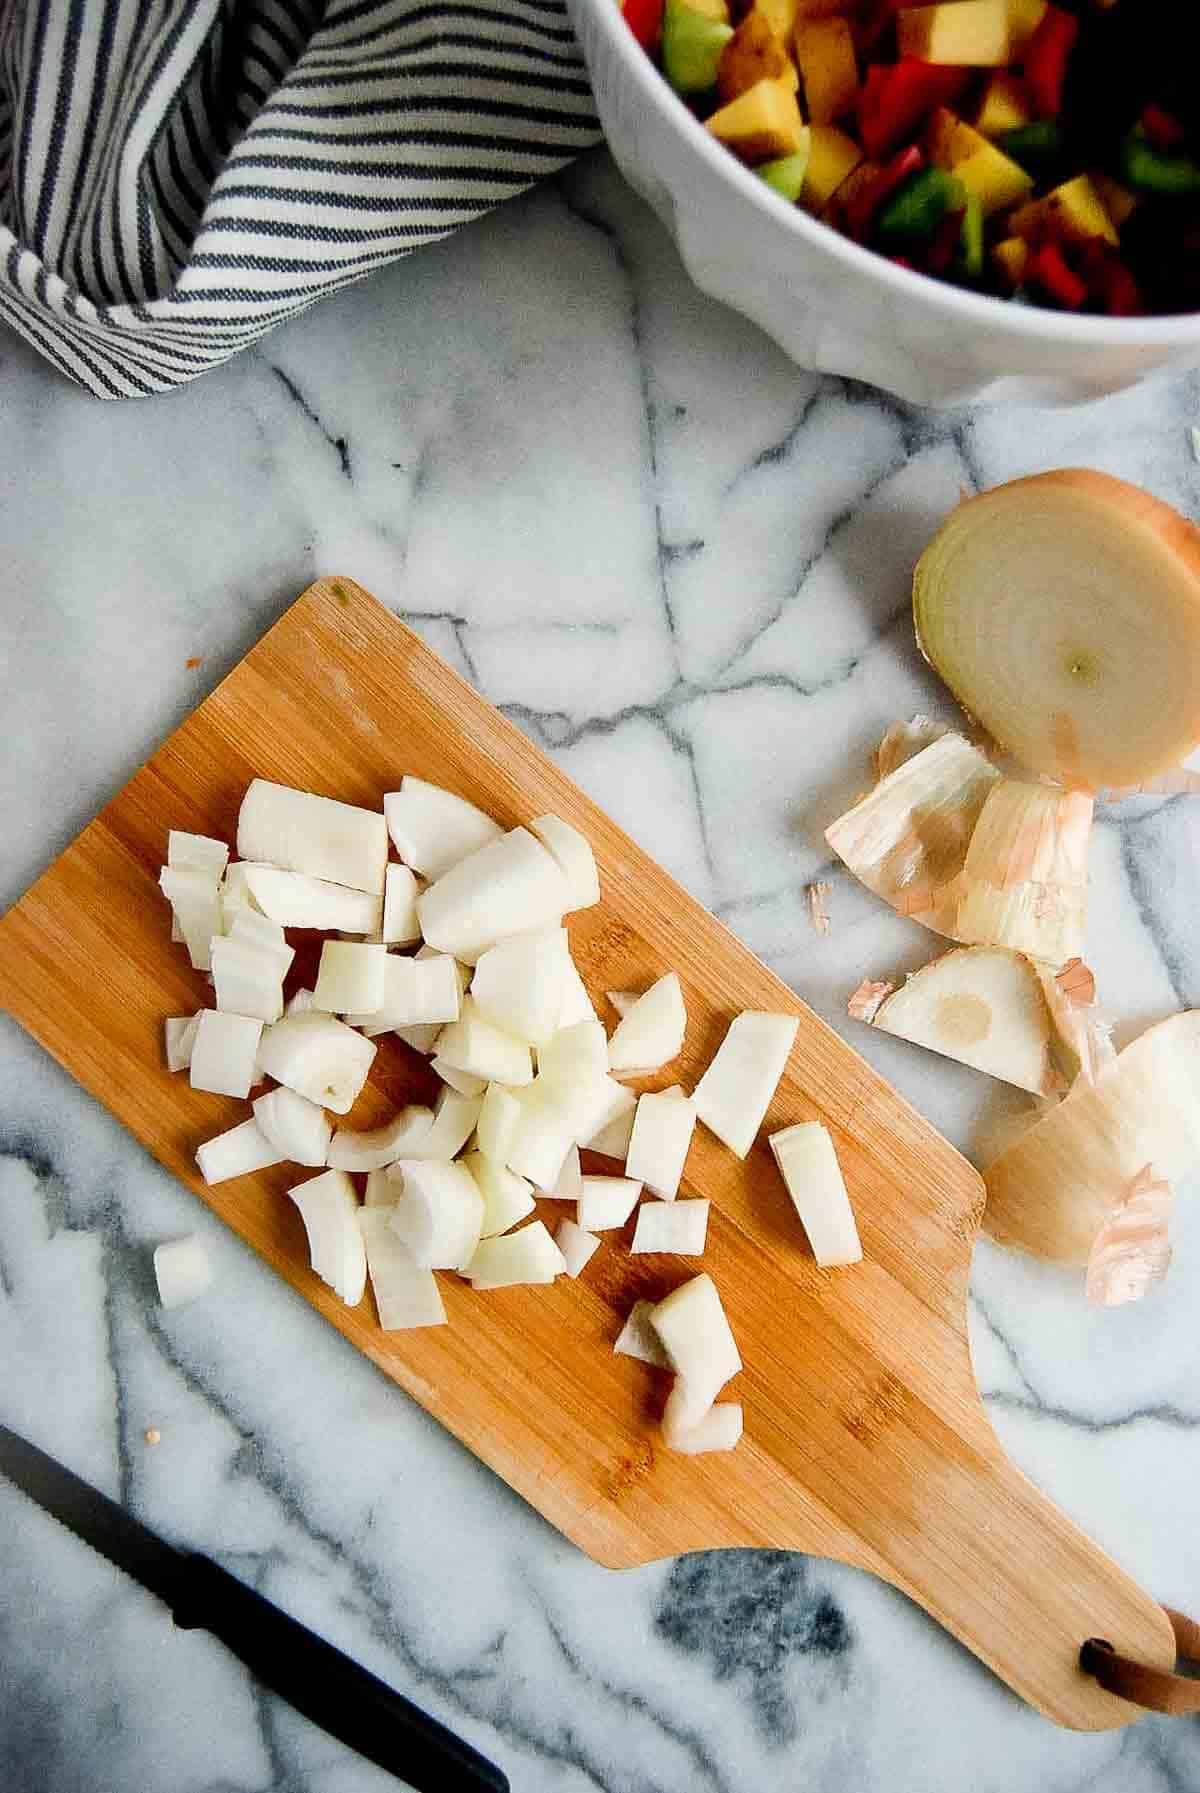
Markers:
329,1688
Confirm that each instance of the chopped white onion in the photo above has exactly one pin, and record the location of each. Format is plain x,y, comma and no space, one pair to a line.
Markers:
567,1184
400,926
438,1213
651,1034
454,1119
473,1044
622,1000
508,887
380,1192
606,1202
197,853
678,1227
300,832
380,1146
235,894
406,1294
329,1209
319,1057
297,1128
295,900
507,1197
735,1092
529,1256
499,1119
543,1137
808,1165
719,1430
422,1036
225,1053
574,1055
235,1153
182,1270
246,980
576,1004
576,861
577,1247
696,1336
465,1082
300,1002
637,1338
416,991
663,1125
432,829
612,1139
519,985
351,978
263,934
180,1032
195,900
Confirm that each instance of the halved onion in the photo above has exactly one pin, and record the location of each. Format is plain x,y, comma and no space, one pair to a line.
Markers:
1063,611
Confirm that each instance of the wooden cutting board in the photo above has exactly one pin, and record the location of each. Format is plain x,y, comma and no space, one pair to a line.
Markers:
865,1437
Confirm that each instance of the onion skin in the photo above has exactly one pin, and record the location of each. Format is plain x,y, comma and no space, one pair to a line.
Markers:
1169,545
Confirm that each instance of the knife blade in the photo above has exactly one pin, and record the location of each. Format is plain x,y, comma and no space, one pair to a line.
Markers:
328,1687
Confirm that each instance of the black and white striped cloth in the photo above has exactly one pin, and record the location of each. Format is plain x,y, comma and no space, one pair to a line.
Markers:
178,176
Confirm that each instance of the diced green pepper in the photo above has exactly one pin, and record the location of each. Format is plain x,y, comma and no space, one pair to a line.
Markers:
1149,170
786,173
691,47
1036,147
970,244
918,205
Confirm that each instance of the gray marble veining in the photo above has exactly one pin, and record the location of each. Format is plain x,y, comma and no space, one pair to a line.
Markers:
681,565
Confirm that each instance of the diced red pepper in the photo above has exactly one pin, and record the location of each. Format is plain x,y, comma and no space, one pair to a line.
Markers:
896,99
1046,57
1048,269
863,207
1163,130
644,18
1109,281
944,243
902,261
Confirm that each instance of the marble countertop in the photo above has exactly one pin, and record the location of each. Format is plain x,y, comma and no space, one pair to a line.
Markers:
681,565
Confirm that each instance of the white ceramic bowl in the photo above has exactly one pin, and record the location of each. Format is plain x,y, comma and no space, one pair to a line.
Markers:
829,303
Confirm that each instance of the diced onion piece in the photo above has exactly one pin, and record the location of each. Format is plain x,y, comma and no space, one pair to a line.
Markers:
907,839
735,1092
351,978
257,931
507,1198
406,1294
195,900
719,1430
696,1336
380,1146
422,1036
612,1140
465,1082
499,1119
399,926
637,1338
986,1007
1024,880
678,1227
225,1053
432,829
809,1167
438,1212
1063,611
508,887
576,1004
380,1191
567,1185
658,1146
182,1270
454,1118
1132,1251
235,1153
296,900
622,1000
300,1002
576,1054
197,853
528,1256
298,1129
903,740
606,1202
329,1209
473,1044
519,984
577,1247
235,894
319,1057
543,1137
246,980
575,859
416,991
588,1104
300,832
651,1034
1051,1191
180,1032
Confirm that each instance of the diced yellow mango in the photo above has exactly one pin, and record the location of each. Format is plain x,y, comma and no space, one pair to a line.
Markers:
844,195
1004,106
754,54
970,33
995,178
1073,212
1119,202
1024,17
762,123
780,15
832,156
828,67
1011,258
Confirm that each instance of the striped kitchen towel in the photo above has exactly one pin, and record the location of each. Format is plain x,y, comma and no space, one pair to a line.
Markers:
178,176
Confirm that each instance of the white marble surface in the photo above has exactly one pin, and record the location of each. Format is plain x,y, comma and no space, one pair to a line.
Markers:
681,564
